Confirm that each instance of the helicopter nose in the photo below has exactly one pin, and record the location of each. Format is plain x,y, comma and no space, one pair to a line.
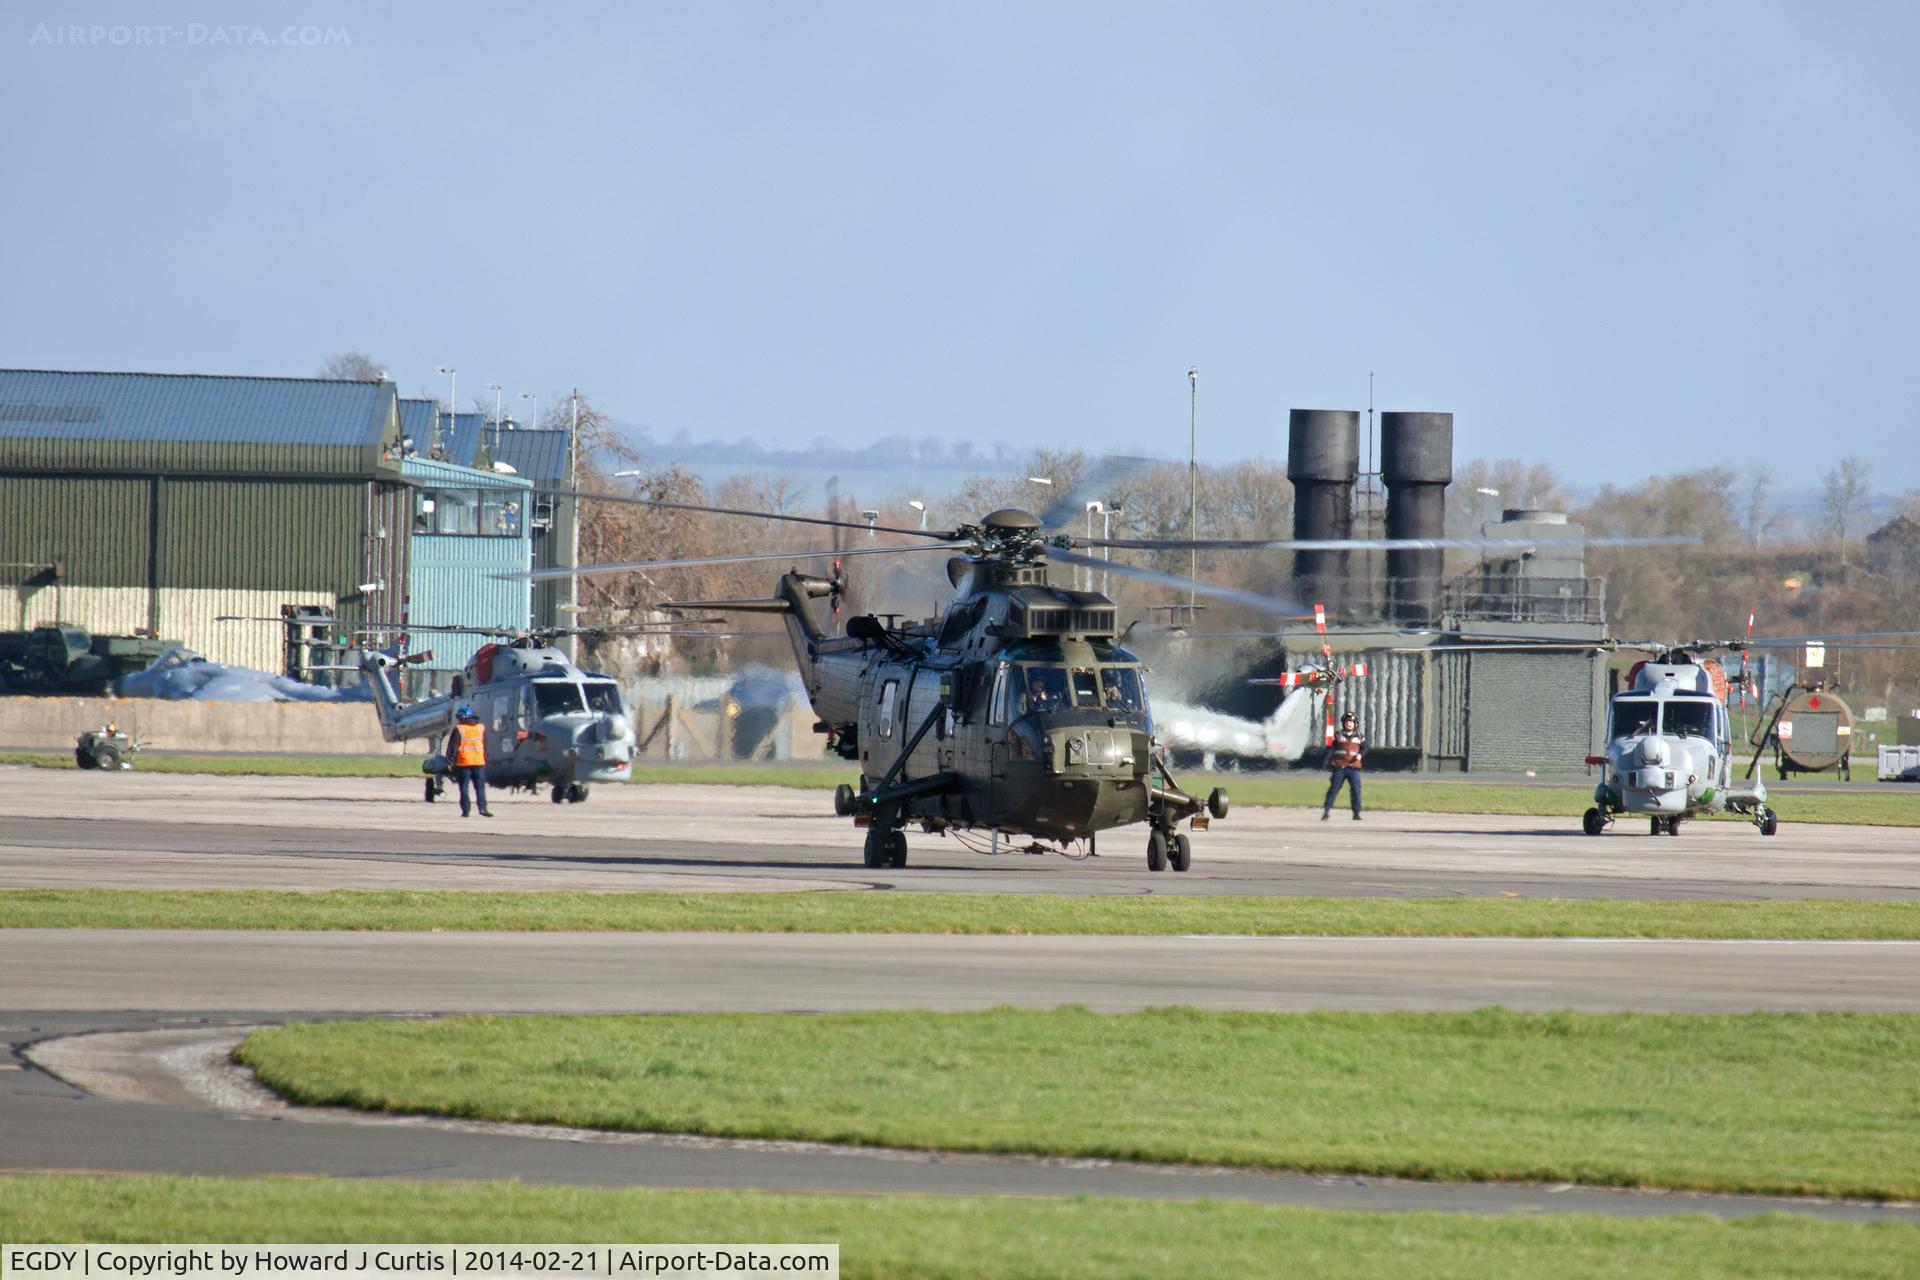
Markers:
1653,751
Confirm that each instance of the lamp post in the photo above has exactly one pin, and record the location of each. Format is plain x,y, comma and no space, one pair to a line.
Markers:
1106,532
573,522
921,507
1193,475
453,404
1091,508
1485,493
534,420
497,393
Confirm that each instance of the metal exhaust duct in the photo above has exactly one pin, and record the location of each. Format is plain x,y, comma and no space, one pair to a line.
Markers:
1416,462
1323,460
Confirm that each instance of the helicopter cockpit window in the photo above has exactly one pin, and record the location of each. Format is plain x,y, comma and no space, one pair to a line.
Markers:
1086,687
556,697
1634,717
604,696
1689,719
1045,688
1120,689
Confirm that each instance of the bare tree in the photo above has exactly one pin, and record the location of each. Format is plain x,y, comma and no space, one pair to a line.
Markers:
1847,491
353,366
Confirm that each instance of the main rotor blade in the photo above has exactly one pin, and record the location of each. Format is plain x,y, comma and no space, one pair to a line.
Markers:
349,624
1233,595
943,535
1380,544
1108,472
636,566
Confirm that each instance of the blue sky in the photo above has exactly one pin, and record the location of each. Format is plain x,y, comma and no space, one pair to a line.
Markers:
1617,238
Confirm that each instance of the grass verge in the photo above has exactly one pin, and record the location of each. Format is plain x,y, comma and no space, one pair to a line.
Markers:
1895,807
1802,1104
961,1236
1002,913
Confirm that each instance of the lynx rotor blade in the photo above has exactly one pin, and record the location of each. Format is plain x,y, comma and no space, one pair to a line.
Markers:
1382,544
635,566
349,624
942,535
1233,595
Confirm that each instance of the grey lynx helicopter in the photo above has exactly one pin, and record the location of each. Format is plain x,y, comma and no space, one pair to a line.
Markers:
548,722
1019,712
1669,753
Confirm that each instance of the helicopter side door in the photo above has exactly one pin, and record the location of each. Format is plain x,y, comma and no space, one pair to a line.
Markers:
1001,696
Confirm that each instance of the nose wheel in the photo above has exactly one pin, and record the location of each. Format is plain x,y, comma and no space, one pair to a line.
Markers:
886,847
1594,822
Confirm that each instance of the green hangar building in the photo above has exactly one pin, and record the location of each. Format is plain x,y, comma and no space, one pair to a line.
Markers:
157,502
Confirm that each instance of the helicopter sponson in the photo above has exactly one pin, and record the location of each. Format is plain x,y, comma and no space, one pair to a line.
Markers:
1669,753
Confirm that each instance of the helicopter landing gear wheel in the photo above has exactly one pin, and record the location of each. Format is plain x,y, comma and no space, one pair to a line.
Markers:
897,849
879,850
1180,851
558,793
576,794
1594,822
1659,825
1769,822
1157,851
843,800
433,792
1673,826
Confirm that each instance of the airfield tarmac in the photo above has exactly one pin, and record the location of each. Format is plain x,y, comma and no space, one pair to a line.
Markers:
183,990
189,831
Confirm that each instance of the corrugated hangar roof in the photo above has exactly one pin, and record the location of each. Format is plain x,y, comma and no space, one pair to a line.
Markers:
539,454
52,419
463,439
416,421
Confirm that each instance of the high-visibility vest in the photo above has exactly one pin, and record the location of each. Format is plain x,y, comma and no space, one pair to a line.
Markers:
472,747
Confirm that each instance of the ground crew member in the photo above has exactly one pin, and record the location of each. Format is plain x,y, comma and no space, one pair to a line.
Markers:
1344,760
467,749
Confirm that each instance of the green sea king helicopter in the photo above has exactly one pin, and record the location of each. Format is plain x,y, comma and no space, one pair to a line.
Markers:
1018,713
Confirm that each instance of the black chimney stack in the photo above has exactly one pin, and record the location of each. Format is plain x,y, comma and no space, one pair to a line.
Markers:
1323,459
1416,462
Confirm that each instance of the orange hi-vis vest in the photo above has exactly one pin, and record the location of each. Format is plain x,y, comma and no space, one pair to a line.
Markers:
472,747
